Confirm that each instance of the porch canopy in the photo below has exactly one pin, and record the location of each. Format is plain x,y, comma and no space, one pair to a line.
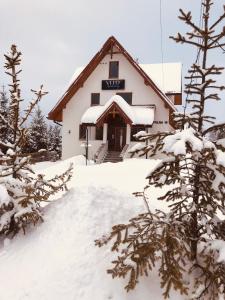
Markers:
132,115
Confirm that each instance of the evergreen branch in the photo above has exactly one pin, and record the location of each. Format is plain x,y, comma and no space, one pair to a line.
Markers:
219,20
219,46
213,128
39,94
187,17
217,39
181,39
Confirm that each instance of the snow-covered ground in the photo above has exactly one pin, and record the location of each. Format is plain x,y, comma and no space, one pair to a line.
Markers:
58,260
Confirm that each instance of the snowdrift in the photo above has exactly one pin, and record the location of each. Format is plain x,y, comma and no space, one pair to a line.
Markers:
58,259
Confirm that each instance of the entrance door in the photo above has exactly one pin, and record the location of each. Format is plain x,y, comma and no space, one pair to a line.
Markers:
116,132
120,138
116,138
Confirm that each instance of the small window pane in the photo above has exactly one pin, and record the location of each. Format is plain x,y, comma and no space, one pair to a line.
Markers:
113,69
82,132
99,133
127,97
135,130
95,99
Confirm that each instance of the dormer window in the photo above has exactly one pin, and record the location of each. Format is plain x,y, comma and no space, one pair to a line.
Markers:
113,69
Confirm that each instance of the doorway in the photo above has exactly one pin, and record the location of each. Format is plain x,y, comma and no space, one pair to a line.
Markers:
116,133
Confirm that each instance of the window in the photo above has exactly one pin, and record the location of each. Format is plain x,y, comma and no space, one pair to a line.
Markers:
82,132
95,99
99,133
127,97
113,69
134,130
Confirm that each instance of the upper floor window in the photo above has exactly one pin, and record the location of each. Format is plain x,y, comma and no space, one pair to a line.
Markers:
127,97
113,69
95,99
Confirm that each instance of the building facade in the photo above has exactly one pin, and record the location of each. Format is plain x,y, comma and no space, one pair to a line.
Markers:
113,98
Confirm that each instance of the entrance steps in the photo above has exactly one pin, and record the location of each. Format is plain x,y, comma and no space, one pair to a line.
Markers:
113,156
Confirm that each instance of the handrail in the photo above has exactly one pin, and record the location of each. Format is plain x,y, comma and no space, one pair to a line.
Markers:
101,153
123,152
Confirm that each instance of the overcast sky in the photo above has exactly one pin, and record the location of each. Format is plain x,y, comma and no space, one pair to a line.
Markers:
57,36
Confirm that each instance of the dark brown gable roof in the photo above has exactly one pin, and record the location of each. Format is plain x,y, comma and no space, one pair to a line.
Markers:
114,105
56,113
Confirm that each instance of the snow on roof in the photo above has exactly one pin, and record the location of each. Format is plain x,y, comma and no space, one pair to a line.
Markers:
92,114
74,76
166,76
144,115
126,108
139,115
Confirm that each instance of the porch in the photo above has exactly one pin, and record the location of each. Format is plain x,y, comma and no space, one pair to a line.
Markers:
118,122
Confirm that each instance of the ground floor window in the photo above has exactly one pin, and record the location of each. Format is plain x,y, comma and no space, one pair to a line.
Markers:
82,132
134,130
126,96
99,133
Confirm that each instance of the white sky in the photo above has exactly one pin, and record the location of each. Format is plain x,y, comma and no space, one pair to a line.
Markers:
57,36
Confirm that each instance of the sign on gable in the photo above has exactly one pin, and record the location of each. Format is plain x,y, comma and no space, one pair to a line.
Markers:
112,84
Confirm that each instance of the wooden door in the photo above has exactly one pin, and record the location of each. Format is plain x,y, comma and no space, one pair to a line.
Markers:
116,138
111,138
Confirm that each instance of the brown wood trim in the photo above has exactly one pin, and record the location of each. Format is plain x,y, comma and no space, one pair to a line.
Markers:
56,112
88,124
101,119
177,100
115,52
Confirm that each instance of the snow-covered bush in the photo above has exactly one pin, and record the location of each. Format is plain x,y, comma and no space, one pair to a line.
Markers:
185,242
21,190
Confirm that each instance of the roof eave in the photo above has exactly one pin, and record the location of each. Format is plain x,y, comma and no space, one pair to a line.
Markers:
56,112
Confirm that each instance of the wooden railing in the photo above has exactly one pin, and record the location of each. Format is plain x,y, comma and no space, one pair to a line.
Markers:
101,153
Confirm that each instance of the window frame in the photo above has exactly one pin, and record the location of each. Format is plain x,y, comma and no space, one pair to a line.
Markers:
122,93
92,97
110,63
100,136
137,128
82,137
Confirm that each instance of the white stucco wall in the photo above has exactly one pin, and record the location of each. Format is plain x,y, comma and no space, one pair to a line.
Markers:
79,103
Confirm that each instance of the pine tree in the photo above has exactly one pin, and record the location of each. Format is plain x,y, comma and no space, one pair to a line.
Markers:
21,190
37,132
186,241
55,139
3,114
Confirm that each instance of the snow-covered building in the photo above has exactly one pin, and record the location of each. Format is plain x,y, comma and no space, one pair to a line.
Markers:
113,98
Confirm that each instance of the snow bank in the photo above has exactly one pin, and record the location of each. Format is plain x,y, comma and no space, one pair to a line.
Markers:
58,260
